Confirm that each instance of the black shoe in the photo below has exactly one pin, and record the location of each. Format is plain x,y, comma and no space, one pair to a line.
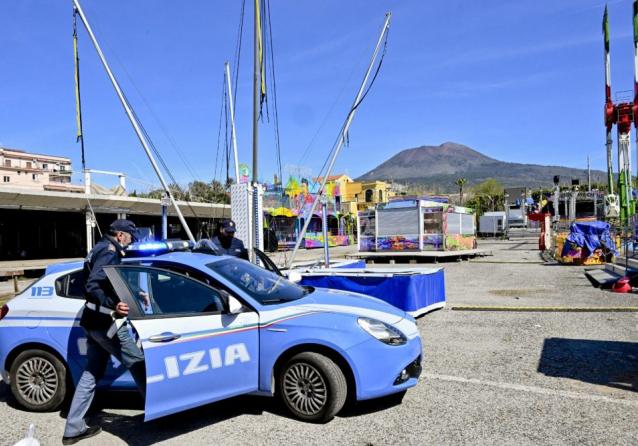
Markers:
88,433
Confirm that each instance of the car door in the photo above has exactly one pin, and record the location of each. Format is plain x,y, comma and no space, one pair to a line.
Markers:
196,352
267,262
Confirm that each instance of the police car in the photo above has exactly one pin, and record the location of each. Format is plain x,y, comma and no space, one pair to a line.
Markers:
213,327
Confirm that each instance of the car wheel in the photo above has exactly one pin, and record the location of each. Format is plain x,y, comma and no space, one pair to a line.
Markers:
38,380
312,387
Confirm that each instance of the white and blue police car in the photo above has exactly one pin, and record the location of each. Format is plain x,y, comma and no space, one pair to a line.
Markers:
213,327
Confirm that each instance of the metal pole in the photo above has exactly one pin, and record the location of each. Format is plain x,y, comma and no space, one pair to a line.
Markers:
588,175
232,122
324,229
256,89
88,220
131,118
165,203
340,141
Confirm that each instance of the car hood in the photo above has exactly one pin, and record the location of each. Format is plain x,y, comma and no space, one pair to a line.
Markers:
337,301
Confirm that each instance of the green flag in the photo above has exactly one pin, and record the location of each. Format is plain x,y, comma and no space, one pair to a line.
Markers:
606,27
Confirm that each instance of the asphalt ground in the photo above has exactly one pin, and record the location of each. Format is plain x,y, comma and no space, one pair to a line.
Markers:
498,377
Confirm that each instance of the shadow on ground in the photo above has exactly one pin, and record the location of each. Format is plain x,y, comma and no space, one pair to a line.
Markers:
134,431
608,363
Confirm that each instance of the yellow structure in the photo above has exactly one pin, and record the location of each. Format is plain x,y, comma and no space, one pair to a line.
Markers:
359,196
354,196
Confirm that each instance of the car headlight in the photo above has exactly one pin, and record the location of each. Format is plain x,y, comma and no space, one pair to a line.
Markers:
382,331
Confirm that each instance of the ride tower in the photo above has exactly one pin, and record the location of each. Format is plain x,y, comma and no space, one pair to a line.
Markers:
623,114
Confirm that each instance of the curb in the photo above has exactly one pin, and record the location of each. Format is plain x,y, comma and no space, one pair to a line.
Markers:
547,309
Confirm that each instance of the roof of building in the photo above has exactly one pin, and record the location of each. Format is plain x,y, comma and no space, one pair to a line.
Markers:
333,177
28,155
18,198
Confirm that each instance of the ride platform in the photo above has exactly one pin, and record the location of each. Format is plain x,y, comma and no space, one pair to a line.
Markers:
419,256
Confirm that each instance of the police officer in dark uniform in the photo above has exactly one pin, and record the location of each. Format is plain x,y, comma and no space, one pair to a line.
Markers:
225,242
103,320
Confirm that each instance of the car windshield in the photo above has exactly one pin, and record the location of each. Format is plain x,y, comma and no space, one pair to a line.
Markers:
264,286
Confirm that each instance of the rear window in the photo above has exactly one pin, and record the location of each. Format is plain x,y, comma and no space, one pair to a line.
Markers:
70,285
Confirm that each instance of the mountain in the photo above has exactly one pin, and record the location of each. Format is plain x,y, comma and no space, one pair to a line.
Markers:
437,167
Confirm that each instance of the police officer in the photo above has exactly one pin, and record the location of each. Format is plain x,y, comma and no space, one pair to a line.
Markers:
225,242
103,320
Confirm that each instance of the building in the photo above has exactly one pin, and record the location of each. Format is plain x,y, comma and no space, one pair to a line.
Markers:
44,216
362,195
35,171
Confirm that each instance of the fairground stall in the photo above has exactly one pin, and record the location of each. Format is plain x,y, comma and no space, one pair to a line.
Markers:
417,225
340,231
285,225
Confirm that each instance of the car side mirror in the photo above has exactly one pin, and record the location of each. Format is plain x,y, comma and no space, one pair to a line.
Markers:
234,306
294,276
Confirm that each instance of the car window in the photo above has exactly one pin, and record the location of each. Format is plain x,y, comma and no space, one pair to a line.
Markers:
70,285
159,292
264,286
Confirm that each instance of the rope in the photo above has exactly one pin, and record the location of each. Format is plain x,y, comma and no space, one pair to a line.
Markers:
219,128
238,54
146,103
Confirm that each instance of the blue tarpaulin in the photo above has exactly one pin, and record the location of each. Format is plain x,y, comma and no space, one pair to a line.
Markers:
415,292
590,236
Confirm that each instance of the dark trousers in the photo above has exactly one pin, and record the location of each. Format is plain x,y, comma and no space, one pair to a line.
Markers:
99,350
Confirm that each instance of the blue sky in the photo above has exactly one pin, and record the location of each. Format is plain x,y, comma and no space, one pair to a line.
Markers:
518,81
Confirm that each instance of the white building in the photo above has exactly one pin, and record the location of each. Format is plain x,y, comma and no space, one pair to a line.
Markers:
19,169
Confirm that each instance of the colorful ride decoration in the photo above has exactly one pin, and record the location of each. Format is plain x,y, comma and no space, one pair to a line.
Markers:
285,208
586,243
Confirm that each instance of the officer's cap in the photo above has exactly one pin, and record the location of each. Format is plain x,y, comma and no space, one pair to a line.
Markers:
124,226
228,225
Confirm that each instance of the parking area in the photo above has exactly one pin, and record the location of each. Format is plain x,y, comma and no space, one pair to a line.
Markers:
490,377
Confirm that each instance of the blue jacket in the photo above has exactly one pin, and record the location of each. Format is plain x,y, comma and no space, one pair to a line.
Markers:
230,247
97,288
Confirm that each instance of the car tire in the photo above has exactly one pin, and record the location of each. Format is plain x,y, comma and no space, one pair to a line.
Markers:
312,387
38,380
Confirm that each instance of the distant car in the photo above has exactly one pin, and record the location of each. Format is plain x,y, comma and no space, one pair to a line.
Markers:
215,327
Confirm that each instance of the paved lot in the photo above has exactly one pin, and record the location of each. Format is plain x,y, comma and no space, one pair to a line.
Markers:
489,378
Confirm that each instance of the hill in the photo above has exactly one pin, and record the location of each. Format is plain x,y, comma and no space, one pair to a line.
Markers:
437,167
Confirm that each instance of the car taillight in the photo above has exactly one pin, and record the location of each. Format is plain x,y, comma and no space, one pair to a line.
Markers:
3,311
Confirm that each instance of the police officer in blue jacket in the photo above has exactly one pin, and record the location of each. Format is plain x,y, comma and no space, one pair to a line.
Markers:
103,320
225,242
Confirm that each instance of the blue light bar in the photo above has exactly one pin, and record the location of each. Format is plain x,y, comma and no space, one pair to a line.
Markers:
153,248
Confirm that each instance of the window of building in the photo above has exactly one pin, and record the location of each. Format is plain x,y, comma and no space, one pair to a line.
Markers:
6,179
7,163
369,195
45,166
34,176
28,164
380,196
62,168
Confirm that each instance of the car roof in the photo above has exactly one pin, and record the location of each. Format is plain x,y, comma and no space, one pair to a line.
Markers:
193,259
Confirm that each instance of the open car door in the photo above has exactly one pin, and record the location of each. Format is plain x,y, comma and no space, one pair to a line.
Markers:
267,262
195,351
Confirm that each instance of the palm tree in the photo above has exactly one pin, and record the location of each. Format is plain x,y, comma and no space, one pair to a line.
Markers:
460,182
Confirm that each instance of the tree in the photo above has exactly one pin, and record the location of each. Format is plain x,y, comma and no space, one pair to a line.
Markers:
488,196
460,182
199,191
